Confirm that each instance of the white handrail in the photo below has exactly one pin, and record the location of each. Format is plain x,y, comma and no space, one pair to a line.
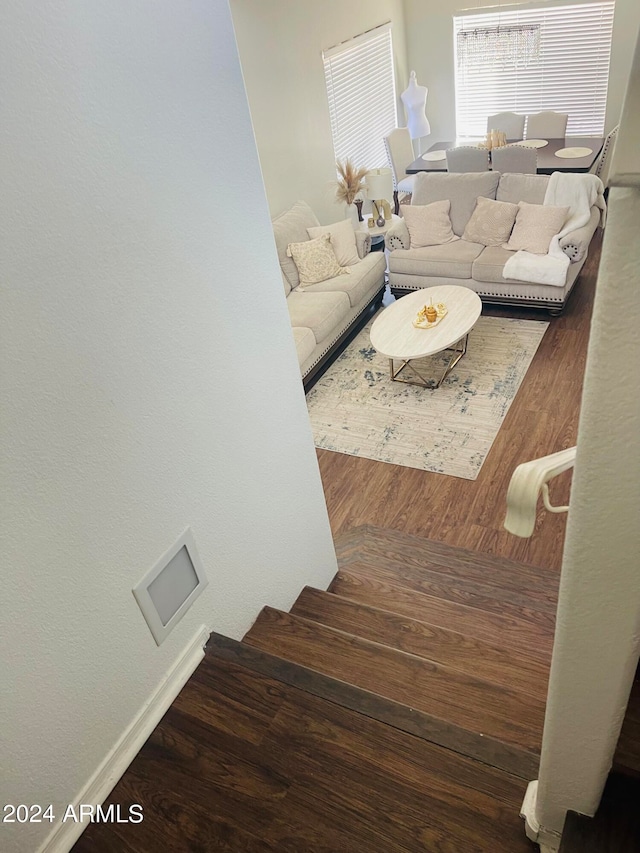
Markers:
527,481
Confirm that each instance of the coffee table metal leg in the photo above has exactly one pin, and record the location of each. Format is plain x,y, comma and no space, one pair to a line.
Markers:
457,352
395,374
457,355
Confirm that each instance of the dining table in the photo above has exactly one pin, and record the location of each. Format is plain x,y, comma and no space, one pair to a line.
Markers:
547,150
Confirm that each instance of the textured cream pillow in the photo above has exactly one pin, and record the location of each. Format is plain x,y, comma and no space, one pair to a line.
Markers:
535,225
429,224
491,222
343,240
315,259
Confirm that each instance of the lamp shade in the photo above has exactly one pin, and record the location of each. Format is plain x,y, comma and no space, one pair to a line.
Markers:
379,184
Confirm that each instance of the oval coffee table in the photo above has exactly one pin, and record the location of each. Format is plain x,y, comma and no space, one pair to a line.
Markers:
394,335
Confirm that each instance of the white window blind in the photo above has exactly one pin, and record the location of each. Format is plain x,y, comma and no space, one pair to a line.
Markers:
362,96
530,60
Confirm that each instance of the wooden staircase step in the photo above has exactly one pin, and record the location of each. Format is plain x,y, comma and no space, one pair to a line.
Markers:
418,787
470,593
616,825
542,598
231,699
442,645
428,727
479,706
395,549
534,640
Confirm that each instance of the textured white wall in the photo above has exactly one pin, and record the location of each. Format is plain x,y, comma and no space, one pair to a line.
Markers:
598,626
148,379
430,52
281,44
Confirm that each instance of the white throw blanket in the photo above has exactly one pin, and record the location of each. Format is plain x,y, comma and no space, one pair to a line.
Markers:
577,191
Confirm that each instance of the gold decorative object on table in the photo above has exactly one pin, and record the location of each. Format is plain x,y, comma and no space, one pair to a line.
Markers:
494,139
429,316
379,183
382,210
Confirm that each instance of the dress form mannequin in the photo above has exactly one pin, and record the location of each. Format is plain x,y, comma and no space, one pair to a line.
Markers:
414,99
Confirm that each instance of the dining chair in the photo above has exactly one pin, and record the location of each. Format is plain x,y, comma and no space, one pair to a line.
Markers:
400,153
467,158
547,125
510,124
602,166
515,158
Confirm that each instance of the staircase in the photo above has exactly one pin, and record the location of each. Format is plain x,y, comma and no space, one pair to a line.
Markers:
401,711
616,825
446,644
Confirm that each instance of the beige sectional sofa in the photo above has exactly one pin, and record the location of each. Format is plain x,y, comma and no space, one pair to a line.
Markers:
323,315
472,264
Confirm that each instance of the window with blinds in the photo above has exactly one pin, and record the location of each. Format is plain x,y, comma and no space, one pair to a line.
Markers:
530,60
362,96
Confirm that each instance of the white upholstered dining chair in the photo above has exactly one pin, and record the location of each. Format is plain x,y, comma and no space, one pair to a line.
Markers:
547,125
511,124
602,166
515,158
400,153
467,158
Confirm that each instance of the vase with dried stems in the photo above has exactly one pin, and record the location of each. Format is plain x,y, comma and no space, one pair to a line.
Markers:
349,183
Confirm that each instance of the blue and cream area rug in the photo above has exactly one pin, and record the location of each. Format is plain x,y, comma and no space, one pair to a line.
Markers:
355,408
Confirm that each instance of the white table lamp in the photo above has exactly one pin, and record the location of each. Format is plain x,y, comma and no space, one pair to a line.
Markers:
380,189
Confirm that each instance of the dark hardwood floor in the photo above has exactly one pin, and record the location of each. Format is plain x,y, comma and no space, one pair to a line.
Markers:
627,756
401,710
244,762
542,419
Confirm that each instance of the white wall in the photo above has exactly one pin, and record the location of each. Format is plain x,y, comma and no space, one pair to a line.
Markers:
280,44
626,28
430,52
597,637
598,624
149,378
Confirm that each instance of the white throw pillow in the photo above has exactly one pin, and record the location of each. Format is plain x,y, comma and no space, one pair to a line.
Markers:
343,240
535,225
429,224
491,222
315,259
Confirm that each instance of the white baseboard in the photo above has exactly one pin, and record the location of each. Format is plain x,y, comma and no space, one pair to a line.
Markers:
548,841
64,835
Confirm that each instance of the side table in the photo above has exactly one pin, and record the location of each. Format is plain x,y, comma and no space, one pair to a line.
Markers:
377,232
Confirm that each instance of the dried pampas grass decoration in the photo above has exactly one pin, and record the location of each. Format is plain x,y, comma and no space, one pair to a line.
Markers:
350,182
